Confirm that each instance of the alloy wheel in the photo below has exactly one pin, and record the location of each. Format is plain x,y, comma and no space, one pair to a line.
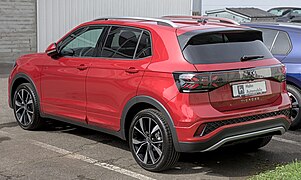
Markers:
24,107
147,140
295,106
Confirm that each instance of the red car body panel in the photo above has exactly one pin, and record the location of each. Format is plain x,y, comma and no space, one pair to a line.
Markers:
195,110
96,91
63,88
110,85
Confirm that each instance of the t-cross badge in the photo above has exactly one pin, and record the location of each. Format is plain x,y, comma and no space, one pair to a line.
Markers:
170,85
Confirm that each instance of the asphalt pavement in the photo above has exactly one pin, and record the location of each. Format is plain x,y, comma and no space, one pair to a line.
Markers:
63,151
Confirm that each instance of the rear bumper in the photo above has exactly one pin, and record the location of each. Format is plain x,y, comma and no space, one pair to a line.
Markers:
276,126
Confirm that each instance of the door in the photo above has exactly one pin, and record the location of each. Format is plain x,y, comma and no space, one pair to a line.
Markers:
231,80
64,79
114,77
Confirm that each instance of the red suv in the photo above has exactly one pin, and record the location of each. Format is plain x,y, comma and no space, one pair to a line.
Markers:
169,85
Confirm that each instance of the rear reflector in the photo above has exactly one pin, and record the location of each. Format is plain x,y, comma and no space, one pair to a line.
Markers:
200,130
207,81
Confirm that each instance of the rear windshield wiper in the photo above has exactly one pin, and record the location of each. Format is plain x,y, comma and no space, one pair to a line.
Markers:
247,58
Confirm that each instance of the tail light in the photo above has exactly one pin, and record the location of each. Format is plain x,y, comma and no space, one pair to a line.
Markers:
279,73
283,72
206,81
193,82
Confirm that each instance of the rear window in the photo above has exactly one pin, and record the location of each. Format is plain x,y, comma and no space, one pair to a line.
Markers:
223,47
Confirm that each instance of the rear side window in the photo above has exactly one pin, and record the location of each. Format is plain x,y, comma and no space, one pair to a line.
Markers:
296,12
127,43
279,12
145,47
269,36
278,42
282,44
224,47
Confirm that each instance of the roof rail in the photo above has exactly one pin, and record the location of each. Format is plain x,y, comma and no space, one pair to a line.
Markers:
164,22
202,19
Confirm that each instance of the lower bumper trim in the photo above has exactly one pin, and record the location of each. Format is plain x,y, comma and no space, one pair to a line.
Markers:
244,136
270,127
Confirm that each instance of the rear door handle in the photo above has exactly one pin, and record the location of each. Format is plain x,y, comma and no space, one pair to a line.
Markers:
132,70
82,67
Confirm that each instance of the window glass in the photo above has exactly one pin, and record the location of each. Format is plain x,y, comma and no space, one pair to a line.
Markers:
296,12
121,43
282,44
81,43
279,12
144,47
224,47
268,37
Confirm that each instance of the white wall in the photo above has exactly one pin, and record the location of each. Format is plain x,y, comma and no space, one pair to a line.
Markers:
262,4
56,17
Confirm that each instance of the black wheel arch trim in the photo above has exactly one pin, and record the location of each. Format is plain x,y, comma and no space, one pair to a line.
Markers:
24,76
82,124
152,101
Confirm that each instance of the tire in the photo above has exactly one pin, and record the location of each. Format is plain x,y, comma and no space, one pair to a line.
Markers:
26,107
295,96
152,146
254,144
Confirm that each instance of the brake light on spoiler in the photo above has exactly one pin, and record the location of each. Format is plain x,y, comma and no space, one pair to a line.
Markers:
208,81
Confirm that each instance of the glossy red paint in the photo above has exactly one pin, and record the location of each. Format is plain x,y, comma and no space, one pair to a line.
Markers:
96,90
192,110
63,86
110,85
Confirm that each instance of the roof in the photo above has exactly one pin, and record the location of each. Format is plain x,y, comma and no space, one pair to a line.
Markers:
252,12
285,8
291,26
177,22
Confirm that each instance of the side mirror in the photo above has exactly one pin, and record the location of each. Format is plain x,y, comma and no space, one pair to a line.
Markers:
52,50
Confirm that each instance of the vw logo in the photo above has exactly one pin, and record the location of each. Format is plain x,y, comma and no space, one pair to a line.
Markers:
250,73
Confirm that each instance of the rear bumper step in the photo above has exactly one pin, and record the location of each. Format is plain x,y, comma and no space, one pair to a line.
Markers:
277,126
245,136
211,126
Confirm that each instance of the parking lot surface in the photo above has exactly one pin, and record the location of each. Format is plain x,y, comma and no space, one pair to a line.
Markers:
63,151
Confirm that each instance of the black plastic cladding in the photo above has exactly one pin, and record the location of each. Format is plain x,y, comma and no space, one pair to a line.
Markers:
211,126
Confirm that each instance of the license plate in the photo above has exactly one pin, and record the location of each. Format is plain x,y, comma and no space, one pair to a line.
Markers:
249,89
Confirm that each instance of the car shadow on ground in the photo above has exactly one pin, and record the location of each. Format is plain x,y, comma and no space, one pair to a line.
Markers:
54,126
227,162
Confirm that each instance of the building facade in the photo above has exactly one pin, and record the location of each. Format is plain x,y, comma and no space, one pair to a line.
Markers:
29,26
18,29
56,17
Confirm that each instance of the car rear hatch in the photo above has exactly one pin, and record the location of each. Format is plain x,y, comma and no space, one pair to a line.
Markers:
233,66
